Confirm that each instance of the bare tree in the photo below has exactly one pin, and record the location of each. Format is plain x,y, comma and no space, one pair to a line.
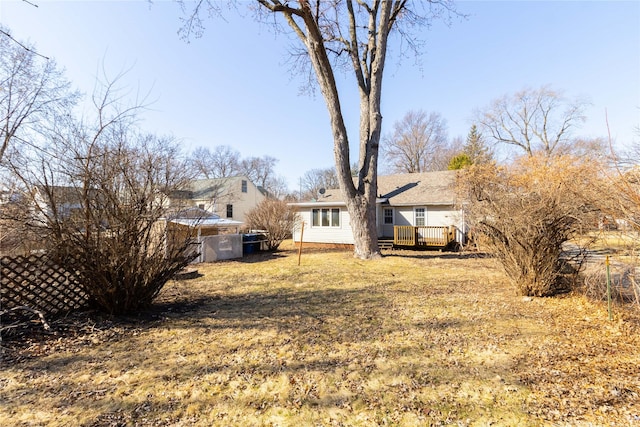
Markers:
260,170
277,187
349,35
419,143
32,92
315,179
596,148
534,120
222,162
225,162
100,194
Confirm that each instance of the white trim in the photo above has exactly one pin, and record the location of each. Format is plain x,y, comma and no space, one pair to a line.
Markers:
317,204
415,217
330,217
393,215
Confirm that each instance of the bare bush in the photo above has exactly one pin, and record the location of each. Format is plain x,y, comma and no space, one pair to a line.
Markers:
276,218
526,214
99,196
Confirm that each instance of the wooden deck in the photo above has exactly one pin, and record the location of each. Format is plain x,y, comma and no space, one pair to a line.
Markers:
423,236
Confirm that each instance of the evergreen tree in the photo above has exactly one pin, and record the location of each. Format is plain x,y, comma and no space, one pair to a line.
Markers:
460,161
476,148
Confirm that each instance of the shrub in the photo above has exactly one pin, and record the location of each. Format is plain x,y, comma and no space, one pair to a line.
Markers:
527,213
99,194
115,237
275,218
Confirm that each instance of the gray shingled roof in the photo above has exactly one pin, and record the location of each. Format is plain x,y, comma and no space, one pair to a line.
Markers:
209,188
409,189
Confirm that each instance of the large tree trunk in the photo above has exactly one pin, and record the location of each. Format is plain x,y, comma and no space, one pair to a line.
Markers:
360,199
367,56
363,224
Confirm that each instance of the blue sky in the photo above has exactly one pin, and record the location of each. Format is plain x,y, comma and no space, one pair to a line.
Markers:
233,86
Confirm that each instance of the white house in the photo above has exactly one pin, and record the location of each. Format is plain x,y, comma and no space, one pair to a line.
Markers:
62,202
229,198
422,201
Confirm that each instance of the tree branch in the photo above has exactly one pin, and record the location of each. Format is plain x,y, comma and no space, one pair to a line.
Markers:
45,325
23,46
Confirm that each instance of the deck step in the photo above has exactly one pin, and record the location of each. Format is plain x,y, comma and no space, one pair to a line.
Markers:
385,244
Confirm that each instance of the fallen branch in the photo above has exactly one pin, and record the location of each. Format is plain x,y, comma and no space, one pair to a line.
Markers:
45,325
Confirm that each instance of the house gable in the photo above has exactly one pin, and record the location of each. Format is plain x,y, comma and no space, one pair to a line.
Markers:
231,198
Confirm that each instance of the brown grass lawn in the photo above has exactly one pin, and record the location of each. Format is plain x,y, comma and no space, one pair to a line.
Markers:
417,338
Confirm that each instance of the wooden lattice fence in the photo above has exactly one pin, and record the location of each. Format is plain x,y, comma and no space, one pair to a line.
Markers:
37,282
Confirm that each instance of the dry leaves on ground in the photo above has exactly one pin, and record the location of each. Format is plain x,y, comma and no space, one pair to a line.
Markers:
417,338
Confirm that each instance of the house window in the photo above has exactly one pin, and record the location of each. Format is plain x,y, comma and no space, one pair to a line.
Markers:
419,217
201,206
388,215
335,217
244,186
229,211
325,217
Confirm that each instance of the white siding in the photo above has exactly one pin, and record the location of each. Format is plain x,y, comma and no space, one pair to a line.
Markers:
441,216
340,235
434,215
230,193
404,215
244,202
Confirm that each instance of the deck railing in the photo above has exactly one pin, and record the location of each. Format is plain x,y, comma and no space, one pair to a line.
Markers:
409,235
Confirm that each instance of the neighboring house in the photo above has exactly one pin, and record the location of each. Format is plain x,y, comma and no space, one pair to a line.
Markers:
62,202
420,204
229,198
23,216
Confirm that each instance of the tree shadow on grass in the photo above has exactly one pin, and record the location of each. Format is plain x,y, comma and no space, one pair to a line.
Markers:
436,254
293,307
260,256
296,311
